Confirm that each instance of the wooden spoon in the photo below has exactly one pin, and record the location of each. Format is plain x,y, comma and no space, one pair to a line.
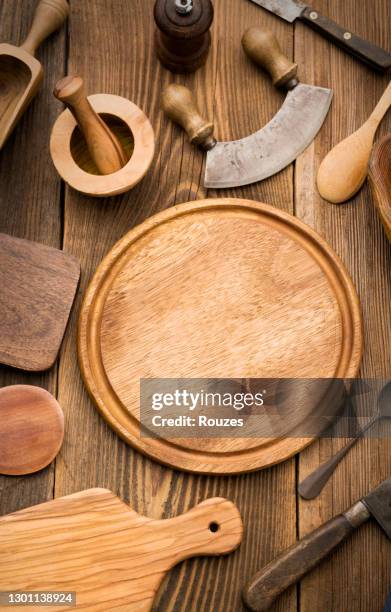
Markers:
345,167
104,147
31,429
380,181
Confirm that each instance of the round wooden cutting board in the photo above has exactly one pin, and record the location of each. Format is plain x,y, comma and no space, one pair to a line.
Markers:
223,288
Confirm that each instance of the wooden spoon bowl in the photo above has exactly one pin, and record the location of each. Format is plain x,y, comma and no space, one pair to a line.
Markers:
31,429
73,161
380,181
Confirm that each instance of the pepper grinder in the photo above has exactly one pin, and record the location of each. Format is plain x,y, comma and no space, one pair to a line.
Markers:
182,35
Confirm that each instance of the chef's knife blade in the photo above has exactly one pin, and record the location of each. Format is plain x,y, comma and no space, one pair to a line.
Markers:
367,52
287,9
303,556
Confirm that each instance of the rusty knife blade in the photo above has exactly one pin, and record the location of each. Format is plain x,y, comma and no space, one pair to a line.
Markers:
275,146
287,9
378,503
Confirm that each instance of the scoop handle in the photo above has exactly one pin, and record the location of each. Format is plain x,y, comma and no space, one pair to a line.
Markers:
104,147
263,48
49,16
179,105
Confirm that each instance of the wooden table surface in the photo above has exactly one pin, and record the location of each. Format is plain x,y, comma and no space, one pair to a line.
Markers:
110,43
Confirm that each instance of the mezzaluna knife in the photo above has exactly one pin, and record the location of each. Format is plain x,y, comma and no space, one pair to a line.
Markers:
299,559
364,50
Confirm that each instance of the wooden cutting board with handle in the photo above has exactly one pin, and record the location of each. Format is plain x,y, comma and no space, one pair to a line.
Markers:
220,288
38,285
114,559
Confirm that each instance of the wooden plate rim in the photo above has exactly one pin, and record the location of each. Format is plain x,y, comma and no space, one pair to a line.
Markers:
99,386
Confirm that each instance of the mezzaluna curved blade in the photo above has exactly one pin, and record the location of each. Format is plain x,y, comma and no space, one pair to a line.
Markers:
275,146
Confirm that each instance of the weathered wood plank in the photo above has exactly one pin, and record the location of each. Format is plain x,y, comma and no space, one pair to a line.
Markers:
92,454
30,207
358,576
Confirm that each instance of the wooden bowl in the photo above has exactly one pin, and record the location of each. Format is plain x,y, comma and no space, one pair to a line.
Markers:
380,181
73,162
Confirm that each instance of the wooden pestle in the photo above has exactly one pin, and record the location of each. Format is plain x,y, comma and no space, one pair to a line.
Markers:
104,147
345,168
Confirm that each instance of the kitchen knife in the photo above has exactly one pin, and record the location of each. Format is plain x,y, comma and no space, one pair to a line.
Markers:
364,50
299,559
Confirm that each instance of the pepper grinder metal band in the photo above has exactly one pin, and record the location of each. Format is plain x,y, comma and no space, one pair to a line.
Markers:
182,35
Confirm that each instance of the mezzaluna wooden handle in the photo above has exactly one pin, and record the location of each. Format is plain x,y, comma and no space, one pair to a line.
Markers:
48,17
179,105
298,560
213,527
364,50
104,147
263,48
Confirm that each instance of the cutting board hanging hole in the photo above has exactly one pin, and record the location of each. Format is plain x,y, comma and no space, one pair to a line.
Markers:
214,527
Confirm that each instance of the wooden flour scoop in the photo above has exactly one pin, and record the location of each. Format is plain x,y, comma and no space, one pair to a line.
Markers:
110,556
20,73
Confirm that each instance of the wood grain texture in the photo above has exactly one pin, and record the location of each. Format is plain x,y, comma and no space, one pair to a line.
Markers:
380,181
173,282
21,74
112,557
31,429
357,578
30,208
38,288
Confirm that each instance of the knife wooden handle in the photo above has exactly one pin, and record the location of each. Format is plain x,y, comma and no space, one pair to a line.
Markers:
371,54
49,16
179,105
263,48
104,147
298,560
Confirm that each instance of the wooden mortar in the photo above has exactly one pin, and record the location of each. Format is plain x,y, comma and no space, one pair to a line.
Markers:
102,145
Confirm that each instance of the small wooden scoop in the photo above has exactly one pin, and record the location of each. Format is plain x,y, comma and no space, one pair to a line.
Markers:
31,429
344,169
380,181
20,73
104,147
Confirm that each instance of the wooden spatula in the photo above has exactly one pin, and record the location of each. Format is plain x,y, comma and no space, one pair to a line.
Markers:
20,73
31,429
110,556
38,285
